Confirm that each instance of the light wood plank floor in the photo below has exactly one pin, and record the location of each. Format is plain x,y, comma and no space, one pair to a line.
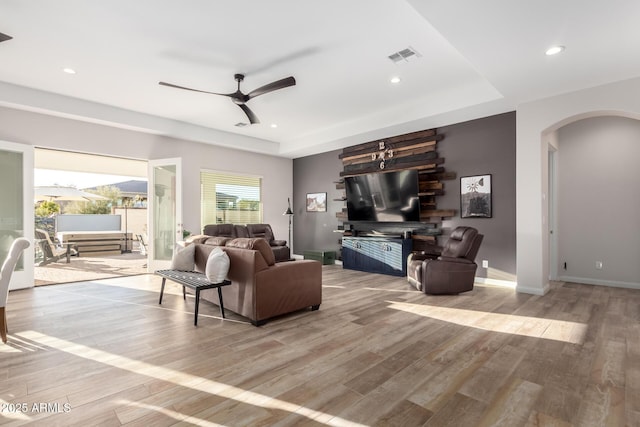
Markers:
376,353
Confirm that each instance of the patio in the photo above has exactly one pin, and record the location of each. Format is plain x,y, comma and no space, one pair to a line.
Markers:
92,268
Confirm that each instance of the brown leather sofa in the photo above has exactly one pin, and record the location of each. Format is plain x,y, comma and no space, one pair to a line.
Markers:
279,247
225,230
261,289
450,272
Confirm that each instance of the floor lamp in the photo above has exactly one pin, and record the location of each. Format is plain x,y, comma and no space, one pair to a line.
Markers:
289,213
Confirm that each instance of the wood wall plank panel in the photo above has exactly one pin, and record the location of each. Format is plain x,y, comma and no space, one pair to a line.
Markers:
412,137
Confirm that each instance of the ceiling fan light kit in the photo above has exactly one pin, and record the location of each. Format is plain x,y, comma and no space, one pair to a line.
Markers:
239,98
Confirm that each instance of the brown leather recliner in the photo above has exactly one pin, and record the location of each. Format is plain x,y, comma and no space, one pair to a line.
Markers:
453,271
279,247
241,231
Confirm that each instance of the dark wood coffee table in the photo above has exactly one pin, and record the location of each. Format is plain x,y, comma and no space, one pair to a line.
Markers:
192,280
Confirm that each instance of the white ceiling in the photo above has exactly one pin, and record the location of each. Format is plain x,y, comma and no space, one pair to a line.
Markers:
477,58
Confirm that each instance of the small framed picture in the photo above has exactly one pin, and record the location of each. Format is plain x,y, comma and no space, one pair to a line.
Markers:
316,202
475,196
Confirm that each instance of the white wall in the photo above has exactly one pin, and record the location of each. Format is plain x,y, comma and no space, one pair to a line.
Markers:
598,202
535,122
45,131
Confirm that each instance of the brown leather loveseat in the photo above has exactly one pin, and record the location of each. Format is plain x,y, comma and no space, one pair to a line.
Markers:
280,249
261,289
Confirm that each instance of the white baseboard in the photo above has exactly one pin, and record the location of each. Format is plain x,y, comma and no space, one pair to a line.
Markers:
496,282
598,282
513,285
533,291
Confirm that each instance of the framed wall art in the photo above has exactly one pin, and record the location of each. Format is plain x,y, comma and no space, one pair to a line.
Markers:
475,196
316,202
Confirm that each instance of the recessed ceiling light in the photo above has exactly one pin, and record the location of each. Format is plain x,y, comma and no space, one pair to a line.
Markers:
395,80
273,125
554,50
69,70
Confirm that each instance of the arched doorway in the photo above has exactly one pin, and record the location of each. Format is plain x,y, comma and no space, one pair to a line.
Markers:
596,178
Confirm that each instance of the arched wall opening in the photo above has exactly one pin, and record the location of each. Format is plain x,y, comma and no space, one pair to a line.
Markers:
594,209
537,125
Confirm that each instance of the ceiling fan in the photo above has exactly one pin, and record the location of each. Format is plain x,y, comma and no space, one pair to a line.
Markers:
239,98
5,37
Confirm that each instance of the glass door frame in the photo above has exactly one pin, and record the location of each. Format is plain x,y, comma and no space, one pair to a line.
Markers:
152,262
23,278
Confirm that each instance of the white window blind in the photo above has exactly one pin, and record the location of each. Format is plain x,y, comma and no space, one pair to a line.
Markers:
230,199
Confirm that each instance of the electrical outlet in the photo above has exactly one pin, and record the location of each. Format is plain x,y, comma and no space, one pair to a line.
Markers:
485,263
598,265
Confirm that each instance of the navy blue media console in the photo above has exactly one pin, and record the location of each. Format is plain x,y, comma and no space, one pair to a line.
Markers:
384,255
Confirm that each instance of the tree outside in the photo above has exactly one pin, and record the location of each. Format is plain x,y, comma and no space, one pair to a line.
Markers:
113,195
47,208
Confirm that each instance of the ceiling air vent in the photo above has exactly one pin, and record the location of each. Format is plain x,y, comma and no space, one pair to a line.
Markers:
4,37
407,54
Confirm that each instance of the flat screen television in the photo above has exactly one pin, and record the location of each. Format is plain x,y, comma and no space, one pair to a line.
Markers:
383,197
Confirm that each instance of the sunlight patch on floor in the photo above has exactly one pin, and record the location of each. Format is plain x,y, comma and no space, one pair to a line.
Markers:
558,330
182,379
16,345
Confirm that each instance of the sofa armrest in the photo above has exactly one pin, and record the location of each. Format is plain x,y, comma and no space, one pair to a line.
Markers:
420,256
196,238
278,243
286,287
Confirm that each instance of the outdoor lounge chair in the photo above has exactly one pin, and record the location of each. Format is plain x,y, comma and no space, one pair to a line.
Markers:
50,251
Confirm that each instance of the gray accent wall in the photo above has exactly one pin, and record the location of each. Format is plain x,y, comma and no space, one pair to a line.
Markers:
316,230
480,147
483,146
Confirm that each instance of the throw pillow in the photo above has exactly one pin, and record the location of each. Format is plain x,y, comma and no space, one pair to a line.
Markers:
184,258
217,265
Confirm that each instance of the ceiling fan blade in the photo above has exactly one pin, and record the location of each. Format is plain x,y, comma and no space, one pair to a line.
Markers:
252,117
5,37
280,84
196,90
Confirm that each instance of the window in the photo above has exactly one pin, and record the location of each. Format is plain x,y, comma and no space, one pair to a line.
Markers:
230,199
